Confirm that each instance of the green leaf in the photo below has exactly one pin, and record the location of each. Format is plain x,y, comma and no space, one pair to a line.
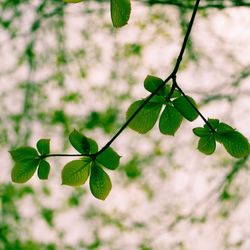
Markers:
207,144
100,184
93,146
109,158
185,108
23,171
23,154
151,83
146,118
79,142
235,143
43,170
170,120
176,93
201,132
75,173
224,128
43,146
213,122
120,12
158,99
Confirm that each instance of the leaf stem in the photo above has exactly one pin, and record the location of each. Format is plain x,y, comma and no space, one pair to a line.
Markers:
62,155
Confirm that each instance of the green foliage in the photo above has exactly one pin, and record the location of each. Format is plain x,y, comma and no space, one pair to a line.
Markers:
93,146
75,173
120,12
213,122
43,170
48,216
170,120
175,94
104,120
43,146
151,83
27,159
109,158
79,142
23,154
201,132
233,141
23,171
146,118
176,107
185,108
100,184
207,144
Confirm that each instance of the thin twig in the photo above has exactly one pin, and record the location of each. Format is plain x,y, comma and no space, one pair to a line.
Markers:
196,109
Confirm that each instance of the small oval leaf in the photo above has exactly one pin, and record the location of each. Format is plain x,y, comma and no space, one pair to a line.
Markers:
207,144
151,83
235,143
170,120
23,171
109,158
43,170
120,12
201,132
93,146
100,184
146,118
75,173
23,154
43,146
79,142
224,128
185,108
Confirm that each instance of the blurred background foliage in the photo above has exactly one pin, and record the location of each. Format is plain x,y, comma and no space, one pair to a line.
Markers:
64,67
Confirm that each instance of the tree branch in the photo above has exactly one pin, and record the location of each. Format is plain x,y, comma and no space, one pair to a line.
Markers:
174,85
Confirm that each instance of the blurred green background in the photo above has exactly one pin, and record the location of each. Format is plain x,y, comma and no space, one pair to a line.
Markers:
65,66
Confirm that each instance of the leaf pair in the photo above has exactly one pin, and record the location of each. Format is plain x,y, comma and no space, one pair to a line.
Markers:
233,141
176,107
27,159
120,11
76,173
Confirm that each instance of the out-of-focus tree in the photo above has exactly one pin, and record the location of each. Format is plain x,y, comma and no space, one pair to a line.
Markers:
57,74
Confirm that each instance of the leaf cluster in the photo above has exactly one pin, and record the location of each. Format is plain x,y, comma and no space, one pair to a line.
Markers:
175,107
75,173
233,141
28,160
